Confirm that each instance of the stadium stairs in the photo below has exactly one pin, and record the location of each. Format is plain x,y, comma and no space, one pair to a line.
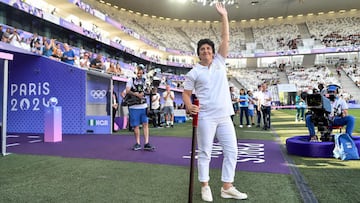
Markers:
236,83
347,84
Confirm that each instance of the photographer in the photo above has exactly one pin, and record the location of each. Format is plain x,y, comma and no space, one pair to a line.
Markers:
135,87
338,116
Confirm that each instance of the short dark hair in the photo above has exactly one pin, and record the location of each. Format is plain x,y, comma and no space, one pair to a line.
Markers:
140,67
205,41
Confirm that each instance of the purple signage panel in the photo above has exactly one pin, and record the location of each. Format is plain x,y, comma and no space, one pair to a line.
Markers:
71,26
98,124
114,23
96,90
117,45
5,1
33,80
324,50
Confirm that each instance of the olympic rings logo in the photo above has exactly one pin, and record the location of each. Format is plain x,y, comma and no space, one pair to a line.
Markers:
98,94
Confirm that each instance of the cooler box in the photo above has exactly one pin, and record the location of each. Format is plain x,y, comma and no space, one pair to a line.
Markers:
179,116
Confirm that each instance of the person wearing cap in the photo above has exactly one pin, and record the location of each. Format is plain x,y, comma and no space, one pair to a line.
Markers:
339,115
208,79
138,112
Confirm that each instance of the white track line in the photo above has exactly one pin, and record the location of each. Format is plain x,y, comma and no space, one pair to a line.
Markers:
33,141
258,131
12,145
33,136
12,136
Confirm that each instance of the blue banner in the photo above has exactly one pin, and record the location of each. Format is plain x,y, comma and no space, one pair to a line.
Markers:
33,80
96,89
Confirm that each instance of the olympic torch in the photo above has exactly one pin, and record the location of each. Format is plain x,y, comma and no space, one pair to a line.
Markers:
193,145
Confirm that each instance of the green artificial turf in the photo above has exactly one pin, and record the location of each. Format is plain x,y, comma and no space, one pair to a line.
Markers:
331,180
29,178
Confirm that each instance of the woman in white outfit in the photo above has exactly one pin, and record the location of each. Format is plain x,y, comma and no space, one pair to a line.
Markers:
209,82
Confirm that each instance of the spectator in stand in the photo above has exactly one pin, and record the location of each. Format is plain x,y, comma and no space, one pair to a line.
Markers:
37,49
57,52
6,35
112,69
34,38
97,62
118,69
168,108
1,32
15,39
85,61
107,63
68,56
48,47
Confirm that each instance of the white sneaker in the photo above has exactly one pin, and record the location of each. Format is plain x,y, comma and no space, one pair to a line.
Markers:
233,193
206,194
241,126
249,126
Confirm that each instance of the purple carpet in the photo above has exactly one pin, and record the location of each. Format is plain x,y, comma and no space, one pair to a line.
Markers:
254,155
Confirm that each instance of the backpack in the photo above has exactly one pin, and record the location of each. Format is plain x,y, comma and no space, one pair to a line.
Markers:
345,147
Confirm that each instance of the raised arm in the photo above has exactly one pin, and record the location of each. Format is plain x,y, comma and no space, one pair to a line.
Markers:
224,44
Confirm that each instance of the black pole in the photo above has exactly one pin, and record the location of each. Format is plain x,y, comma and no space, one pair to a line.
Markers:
192,160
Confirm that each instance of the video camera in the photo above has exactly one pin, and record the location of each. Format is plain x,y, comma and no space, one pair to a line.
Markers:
319,108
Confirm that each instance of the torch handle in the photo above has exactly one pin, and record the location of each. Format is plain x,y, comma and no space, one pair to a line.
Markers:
195,117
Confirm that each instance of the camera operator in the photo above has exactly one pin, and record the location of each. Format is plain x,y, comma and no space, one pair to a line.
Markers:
338,117
138,112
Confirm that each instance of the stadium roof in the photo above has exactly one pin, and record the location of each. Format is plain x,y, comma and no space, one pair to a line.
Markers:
240,10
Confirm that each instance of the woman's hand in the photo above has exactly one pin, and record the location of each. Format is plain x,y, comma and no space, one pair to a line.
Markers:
193,109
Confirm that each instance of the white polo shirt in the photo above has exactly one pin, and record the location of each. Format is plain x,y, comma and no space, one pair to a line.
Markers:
211,88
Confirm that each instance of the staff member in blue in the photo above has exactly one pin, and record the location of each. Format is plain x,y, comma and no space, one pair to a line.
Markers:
300,107
209,81
244,108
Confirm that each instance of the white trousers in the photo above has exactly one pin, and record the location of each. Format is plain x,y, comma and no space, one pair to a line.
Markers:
224,130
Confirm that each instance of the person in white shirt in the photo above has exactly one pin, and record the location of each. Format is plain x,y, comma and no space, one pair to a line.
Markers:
15,39
168,108
155,108
257,106
209,80
265,105
85,60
